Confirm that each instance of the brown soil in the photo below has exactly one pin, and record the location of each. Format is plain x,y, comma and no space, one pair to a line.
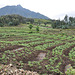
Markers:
42,43
65,62
71,41
40,55
10,48
34,56
66,51
50,48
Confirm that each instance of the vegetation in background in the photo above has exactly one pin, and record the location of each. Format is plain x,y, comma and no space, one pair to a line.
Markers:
67,23
14,20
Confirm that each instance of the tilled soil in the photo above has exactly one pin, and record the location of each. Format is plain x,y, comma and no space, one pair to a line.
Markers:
10,47
50,48
66,51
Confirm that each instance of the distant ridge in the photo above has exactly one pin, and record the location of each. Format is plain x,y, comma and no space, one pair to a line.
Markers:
8,10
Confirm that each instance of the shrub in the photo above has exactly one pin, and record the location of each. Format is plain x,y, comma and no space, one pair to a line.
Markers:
30,26
37,28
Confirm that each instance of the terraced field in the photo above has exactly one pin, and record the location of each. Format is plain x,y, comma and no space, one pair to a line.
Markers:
46,52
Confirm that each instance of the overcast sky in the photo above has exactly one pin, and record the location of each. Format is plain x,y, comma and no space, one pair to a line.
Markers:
54,9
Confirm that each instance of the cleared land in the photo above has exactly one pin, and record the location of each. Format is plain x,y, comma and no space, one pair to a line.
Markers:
46,52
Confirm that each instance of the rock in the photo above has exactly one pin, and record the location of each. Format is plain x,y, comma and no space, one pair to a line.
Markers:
12,70
69,70
10,65
68,67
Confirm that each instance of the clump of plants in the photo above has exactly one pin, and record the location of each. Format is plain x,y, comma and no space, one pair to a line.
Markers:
37,28
30,27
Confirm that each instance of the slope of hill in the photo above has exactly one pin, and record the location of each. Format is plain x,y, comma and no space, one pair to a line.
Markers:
21,11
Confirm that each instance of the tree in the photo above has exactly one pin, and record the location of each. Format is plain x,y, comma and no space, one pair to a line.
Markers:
71,19
54,24
66,19
30,26
30,20
45,23
39,22
37,28
1,25
15,22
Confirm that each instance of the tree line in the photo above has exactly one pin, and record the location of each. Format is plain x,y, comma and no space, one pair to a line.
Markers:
14,20
66,23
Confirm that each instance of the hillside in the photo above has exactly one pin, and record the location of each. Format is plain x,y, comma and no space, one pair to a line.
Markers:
49,51
21,11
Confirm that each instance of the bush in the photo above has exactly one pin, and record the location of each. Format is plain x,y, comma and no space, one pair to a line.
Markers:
37,28
30,26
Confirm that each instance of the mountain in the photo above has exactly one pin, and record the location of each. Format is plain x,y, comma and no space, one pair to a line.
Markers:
8,10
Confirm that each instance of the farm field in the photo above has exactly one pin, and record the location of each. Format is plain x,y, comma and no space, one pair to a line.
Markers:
45,52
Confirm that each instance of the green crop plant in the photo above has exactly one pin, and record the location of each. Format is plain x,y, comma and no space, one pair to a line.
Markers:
3,56
48,67
14,59
72,54
14,55
48,40
30,63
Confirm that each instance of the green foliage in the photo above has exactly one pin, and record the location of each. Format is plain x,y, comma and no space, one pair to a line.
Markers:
30,26
37,28
42,21
65,27
14,20
30,63
54,24
68,22
35,43
1,25
10,23
66,19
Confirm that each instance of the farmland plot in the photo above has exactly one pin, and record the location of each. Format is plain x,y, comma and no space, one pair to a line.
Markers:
46,52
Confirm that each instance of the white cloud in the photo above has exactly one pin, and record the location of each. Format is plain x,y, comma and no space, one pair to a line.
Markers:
50,8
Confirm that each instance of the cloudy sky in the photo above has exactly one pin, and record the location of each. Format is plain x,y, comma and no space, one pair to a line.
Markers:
54,9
